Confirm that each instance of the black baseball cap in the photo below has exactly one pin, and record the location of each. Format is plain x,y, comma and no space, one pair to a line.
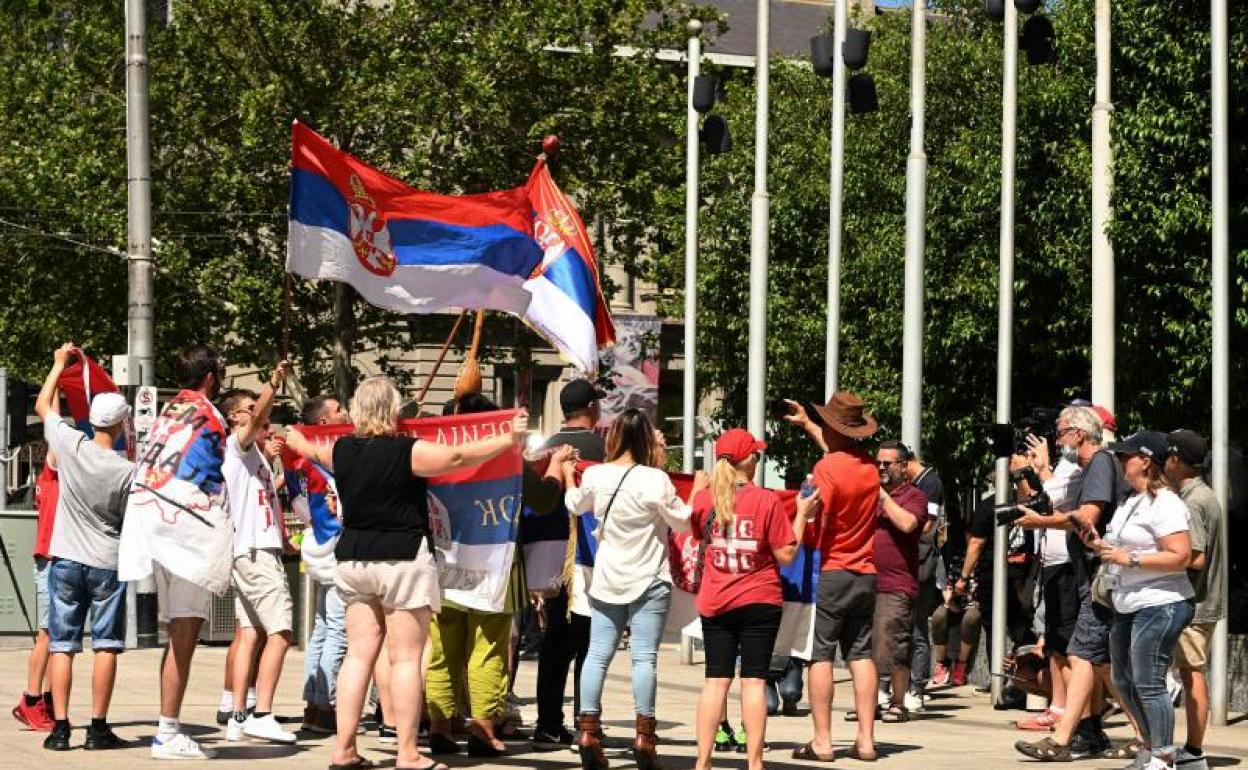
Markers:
1190,447
577,395
1150,443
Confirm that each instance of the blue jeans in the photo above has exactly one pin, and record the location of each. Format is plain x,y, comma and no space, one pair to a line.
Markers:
42,602
327,646
921,665
645,617
1141,647
75,588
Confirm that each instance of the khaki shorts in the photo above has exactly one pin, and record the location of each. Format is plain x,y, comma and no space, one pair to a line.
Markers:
1193,649
396,585
261,592
178,598
892,631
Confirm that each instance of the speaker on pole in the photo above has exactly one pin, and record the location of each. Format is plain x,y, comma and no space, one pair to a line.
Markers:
1037,40
821,55
862,96
715,135
995,9
1027,6
856,48
704,93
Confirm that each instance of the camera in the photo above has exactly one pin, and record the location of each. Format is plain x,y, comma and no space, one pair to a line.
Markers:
961,600
1041,423
780,409
1038,502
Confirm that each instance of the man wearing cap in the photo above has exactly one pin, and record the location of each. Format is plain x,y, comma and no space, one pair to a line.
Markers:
94,482
567,628
849,489
1184,469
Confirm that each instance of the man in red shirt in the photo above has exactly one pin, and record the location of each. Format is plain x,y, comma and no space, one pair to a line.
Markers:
849,489
902,514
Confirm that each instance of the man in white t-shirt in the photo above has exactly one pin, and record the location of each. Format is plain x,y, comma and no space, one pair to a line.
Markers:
262,600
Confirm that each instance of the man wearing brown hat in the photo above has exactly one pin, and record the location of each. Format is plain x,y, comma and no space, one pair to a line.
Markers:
849,489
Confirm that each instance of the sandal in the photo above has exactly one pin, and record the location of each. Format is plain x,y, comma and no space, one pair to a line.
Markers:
439,744
480,747
1044,750
852,714
895,714
808,753
1125,750
433,765
861,756
359,763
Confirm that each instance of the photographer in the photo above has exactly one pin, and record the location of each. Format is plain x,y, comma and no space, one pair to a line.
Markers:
1079,732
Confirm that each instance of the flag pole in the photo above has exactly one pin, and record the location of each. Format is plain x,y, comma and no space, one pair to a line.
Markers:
441,356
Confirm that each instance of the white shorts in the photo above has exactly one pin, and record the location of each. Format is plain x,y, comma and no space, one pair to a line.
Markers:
179,598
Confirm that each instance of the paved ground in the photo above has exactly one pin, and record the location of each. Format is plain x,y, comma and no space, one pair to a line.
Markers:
959,731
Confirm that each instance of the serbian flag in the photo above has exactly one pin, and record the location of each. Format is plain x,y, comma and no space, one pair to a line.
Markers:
80,382
403,249
799,582
474,513
568,309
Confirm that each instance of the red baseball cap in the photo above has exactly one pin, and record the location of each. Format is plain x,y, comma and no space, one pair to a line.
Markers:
1107,419
736,445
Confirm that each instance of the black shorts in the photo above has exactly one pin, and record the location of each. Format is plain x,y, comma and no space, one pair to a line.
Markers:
844,612
748,632
1061,606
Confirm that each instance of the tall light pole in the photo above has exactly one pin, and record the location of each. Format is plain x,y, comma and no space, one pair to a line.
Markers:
1221,334
916,222
1005,330
689,415
756,380
836,187
1102,213
139,311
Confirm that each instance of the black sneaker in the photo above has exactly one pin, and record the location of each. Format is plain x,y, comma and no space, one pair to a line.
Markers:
223,717
1089,744
57,740
387,735
552,740
102,739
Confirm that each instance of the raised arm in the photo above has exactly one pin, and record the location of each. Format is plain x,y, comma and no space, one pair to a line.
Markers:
430,459
800,418
319,453
45,403
264,406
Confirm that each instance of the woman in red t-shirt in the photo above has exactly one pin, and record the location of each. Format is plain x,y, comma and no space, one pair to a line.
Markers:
748,535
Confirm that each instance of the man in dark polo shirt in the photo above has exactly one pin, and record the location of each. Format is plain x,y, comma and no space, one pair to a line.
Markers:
900,519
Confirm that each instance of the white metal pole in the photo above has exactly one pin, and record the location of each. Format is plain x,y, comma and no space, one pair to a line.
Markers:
1005,331
1218,670
916,222
4,438
139,313
836,186
689,414
756,381
1102,213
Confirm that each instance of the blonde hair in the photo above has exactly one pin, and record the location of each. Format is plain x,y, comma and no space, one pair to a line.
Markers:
375,407
724,484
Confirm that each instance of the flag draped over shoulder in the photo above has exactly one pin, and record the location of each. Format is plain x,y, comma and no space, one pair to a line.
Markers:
473,513
567,309
403,249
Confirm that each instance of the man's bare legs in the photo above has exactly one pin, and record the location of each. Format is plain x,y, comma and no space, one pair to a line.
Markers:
1196,697
175,666
37,665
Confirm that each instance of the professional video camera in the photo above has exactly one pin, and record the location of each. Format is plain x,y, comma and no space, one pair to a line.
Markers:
1041,423
1038,502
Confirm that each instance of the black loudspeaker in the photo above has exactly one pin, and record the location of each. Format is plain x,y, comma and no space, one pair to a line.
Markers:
856,47
994,9
862,96
821,55
1002,440
704,93
1027,6
715,135
1037,40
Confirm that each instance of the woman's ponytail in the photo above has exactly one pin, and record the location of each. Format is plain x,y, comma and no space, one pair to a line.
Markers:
724,491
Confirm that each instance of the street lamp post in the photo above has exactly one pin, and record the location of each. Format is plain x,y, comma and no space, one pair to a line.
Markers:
1102,213
688,426
916,222
836,186
756,380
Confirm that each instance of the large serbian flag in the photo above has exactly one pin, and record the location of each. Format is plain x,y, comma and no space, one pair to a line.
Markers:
80,382
473,513
567,307
403,249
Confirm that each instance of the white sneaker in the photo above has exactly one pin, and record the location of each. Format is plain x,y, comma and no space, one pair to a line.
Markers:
266,728
179,746
1157,763
1185,761
1143,760
234,730
914,701
883,698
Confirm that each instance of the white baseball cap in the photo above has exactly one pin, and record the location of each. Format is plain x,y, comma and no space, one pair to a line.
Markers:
108,409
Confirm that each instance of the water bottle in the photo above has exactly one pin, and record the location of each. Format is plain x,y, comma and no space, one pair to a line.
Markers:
1113,572
808,491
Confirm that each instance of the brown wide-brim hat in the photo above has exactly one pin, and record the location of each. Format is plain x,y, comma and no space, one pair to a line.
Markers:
847,415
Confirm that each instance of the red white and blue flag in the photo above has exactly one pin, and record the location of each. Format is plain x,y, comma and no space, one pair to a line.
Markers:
80,382
567,309
403,249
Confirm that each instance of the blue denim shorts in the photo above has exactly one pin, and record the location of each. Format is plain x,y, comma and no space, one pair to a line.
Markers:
1090,639
76,588
42,602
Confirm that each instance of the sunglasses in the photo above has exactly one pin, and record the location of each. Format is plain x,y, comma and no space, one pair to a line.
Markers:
886,463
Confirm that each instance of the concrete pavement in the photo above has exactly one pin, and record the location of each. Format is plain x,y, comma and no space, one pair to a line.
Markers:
960,730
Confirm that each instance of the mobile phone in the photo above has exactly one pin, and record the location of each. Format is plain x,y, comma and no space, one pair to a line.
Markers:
780,409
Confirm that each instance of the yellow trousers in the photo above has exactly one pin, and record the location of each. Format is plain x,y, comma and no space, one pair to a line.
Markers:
468,646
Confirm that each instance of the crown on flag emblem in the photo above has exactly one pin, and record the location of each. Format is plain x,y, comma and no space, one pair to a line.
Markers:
370,237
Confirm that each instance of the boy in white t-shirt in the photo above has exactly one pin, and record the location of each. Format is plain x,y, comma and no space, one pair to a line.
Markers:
262,600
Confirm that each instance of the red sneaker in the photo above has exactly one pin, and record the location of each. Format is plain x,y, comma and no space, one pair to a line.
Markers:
1045,721
940,673
959,673
37,717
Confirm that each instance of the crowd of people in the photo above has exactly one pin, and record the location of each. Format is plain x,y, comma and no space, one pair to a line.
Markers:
1114,576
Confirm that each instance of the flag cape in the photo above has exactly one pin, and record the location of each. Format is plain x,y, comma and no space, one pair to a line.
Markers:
177,513
473,513
403,249
567,309
308,486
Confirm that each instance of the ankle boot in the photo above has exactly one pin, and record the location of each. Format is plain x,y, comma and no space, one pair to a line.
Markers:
645,746
589,742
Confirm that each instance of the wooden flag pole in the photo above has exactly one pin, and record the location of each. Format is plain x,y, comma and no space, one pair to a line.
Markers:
420,400
285,322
